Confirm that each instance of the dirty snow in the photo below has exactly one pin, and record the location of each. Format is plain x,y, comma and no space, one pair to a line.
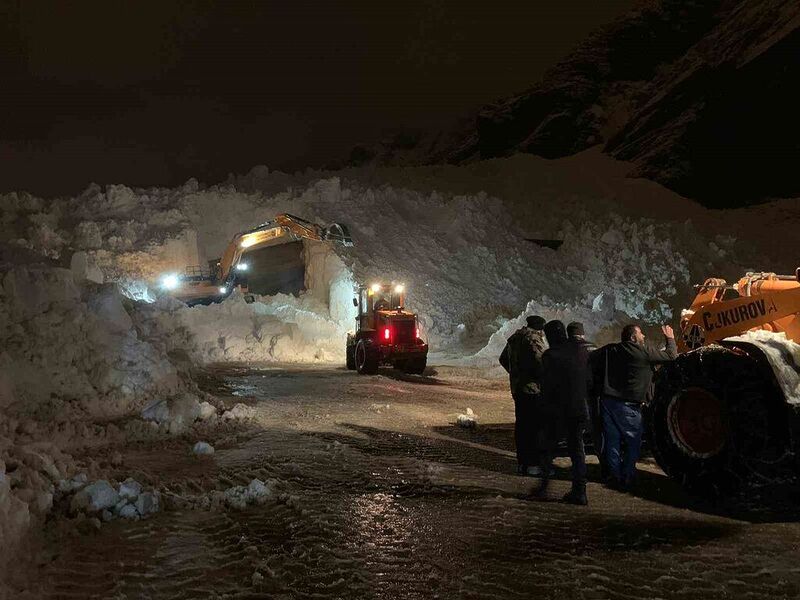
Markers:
92,352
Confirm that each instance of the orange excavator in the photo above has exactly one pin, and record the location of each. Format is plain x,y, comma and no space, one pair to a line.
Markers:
205,285
725,415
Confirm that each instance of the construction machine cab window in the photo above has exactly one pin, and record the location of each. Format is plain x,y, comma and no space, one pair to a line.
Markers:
382,297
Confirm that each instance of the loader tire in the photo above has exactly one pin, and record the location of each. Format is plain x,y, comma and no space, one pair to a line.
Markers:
416,366
350,357
366,360
718,422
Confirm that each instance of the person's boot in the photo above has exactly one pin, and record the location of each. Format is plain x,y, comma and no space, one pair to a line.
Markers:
577,495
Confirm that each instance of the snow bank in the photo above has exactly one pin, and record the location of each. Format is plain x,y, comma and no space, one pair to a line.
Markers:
72,348
461,251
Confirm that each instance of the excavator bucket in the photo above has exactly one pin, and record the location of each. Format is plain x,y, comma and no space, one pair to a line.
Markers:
337,233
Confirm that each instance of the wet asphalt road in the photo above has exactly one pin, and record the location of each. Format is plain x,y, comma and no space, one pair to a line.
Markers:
381,495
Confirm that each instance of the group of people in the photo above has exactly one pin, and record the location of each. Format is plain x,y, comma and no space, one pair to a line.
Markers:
564,387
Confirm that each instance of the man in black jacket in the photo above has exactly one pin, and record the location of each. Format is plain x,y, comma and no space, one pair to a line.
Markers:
577,334
565,387
622,374
522,359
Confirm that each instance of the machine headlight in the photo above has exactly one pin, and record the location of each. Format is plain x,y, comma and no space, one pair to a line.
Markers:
223,290
170,281
242,266
399,289
376,287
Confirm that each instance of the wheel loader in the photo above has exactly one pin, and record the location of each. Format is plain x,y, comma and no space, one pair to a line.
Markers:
205,285
386,333
725,414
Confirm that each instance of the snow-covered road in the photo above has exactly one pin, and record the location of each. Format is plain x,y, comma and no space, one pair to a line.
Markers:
380,495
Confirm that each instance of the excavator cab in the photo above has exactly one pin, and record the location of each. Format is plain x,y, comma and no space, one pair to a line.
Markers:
386,333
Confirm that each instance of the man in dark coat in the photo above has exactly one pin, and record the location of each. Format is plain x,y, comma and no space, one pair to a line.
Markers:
522,359
577,334
622,375
565,389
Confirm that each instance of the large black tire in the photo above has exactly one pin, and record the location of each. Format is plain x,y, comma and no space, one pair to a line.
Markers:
366,360
350,354
416,366
718,422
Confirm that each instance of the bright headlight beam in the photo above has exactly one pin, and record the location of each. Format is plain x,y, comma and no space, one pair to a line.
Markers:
399,289
223,290
170,281
376,287
242,266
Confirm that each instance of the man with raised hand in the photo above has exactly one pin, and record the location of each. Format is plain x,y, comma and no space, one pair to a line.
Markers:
622,375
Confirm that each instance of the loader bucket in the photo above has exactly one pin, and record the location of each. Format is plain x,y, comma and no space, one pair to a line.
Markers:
338,233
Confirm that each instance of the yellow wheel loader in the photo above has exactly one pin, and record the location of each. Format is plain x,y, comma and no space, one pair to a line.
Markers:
726,413
248,266
386,333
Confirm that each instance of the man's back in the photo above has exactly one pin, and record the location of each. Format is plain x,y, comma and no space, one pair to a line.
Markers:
567,377
522,358
625,370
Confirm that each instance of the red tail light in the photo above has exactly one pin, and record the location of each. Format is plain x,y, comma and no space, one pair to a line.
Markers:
387,334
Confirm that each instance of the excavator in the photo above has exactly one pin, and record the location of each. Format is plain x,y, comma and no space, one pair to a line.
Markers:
726,414
200,285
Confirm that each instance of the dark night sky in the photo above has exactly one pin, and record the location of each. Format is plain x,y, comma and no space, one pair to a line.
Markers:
151,93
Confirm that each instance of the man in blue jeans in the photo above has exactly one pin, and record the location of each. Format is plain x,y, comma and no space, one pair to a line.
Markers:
622,374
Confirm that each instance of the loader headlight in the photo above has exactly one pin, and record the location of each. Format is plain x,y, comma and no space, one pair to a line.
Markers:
242,266
376,287
223,290
170,281
399,289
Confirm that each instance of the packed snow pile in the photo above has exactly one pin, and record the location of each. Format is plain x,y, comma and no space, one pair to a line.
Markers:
237,497
465,256
100,499
784,357
69,347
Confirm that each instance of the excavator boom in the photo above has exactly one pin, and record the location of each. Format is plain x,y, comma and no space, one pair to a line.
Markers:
200,285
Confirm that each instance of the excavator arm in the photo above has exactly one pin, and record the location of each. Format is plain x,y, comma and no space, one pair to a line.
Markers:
283,225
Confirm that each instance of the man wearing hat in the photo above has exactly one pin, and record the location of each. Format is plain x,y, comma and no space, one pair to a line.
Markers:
565,388
577,336
522,359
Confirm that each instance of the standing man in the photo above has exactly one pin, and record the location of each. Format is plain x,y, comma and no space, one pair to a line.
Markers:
623,373
522,359
577,335
565,390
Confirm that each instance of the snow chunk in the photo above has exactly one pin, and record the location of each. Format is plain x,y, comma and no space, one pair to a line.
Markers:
130,489
467,420
84,268
129,512
95,497
201,448
79,481
241,412
177,413
207,410
257,492
148,503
